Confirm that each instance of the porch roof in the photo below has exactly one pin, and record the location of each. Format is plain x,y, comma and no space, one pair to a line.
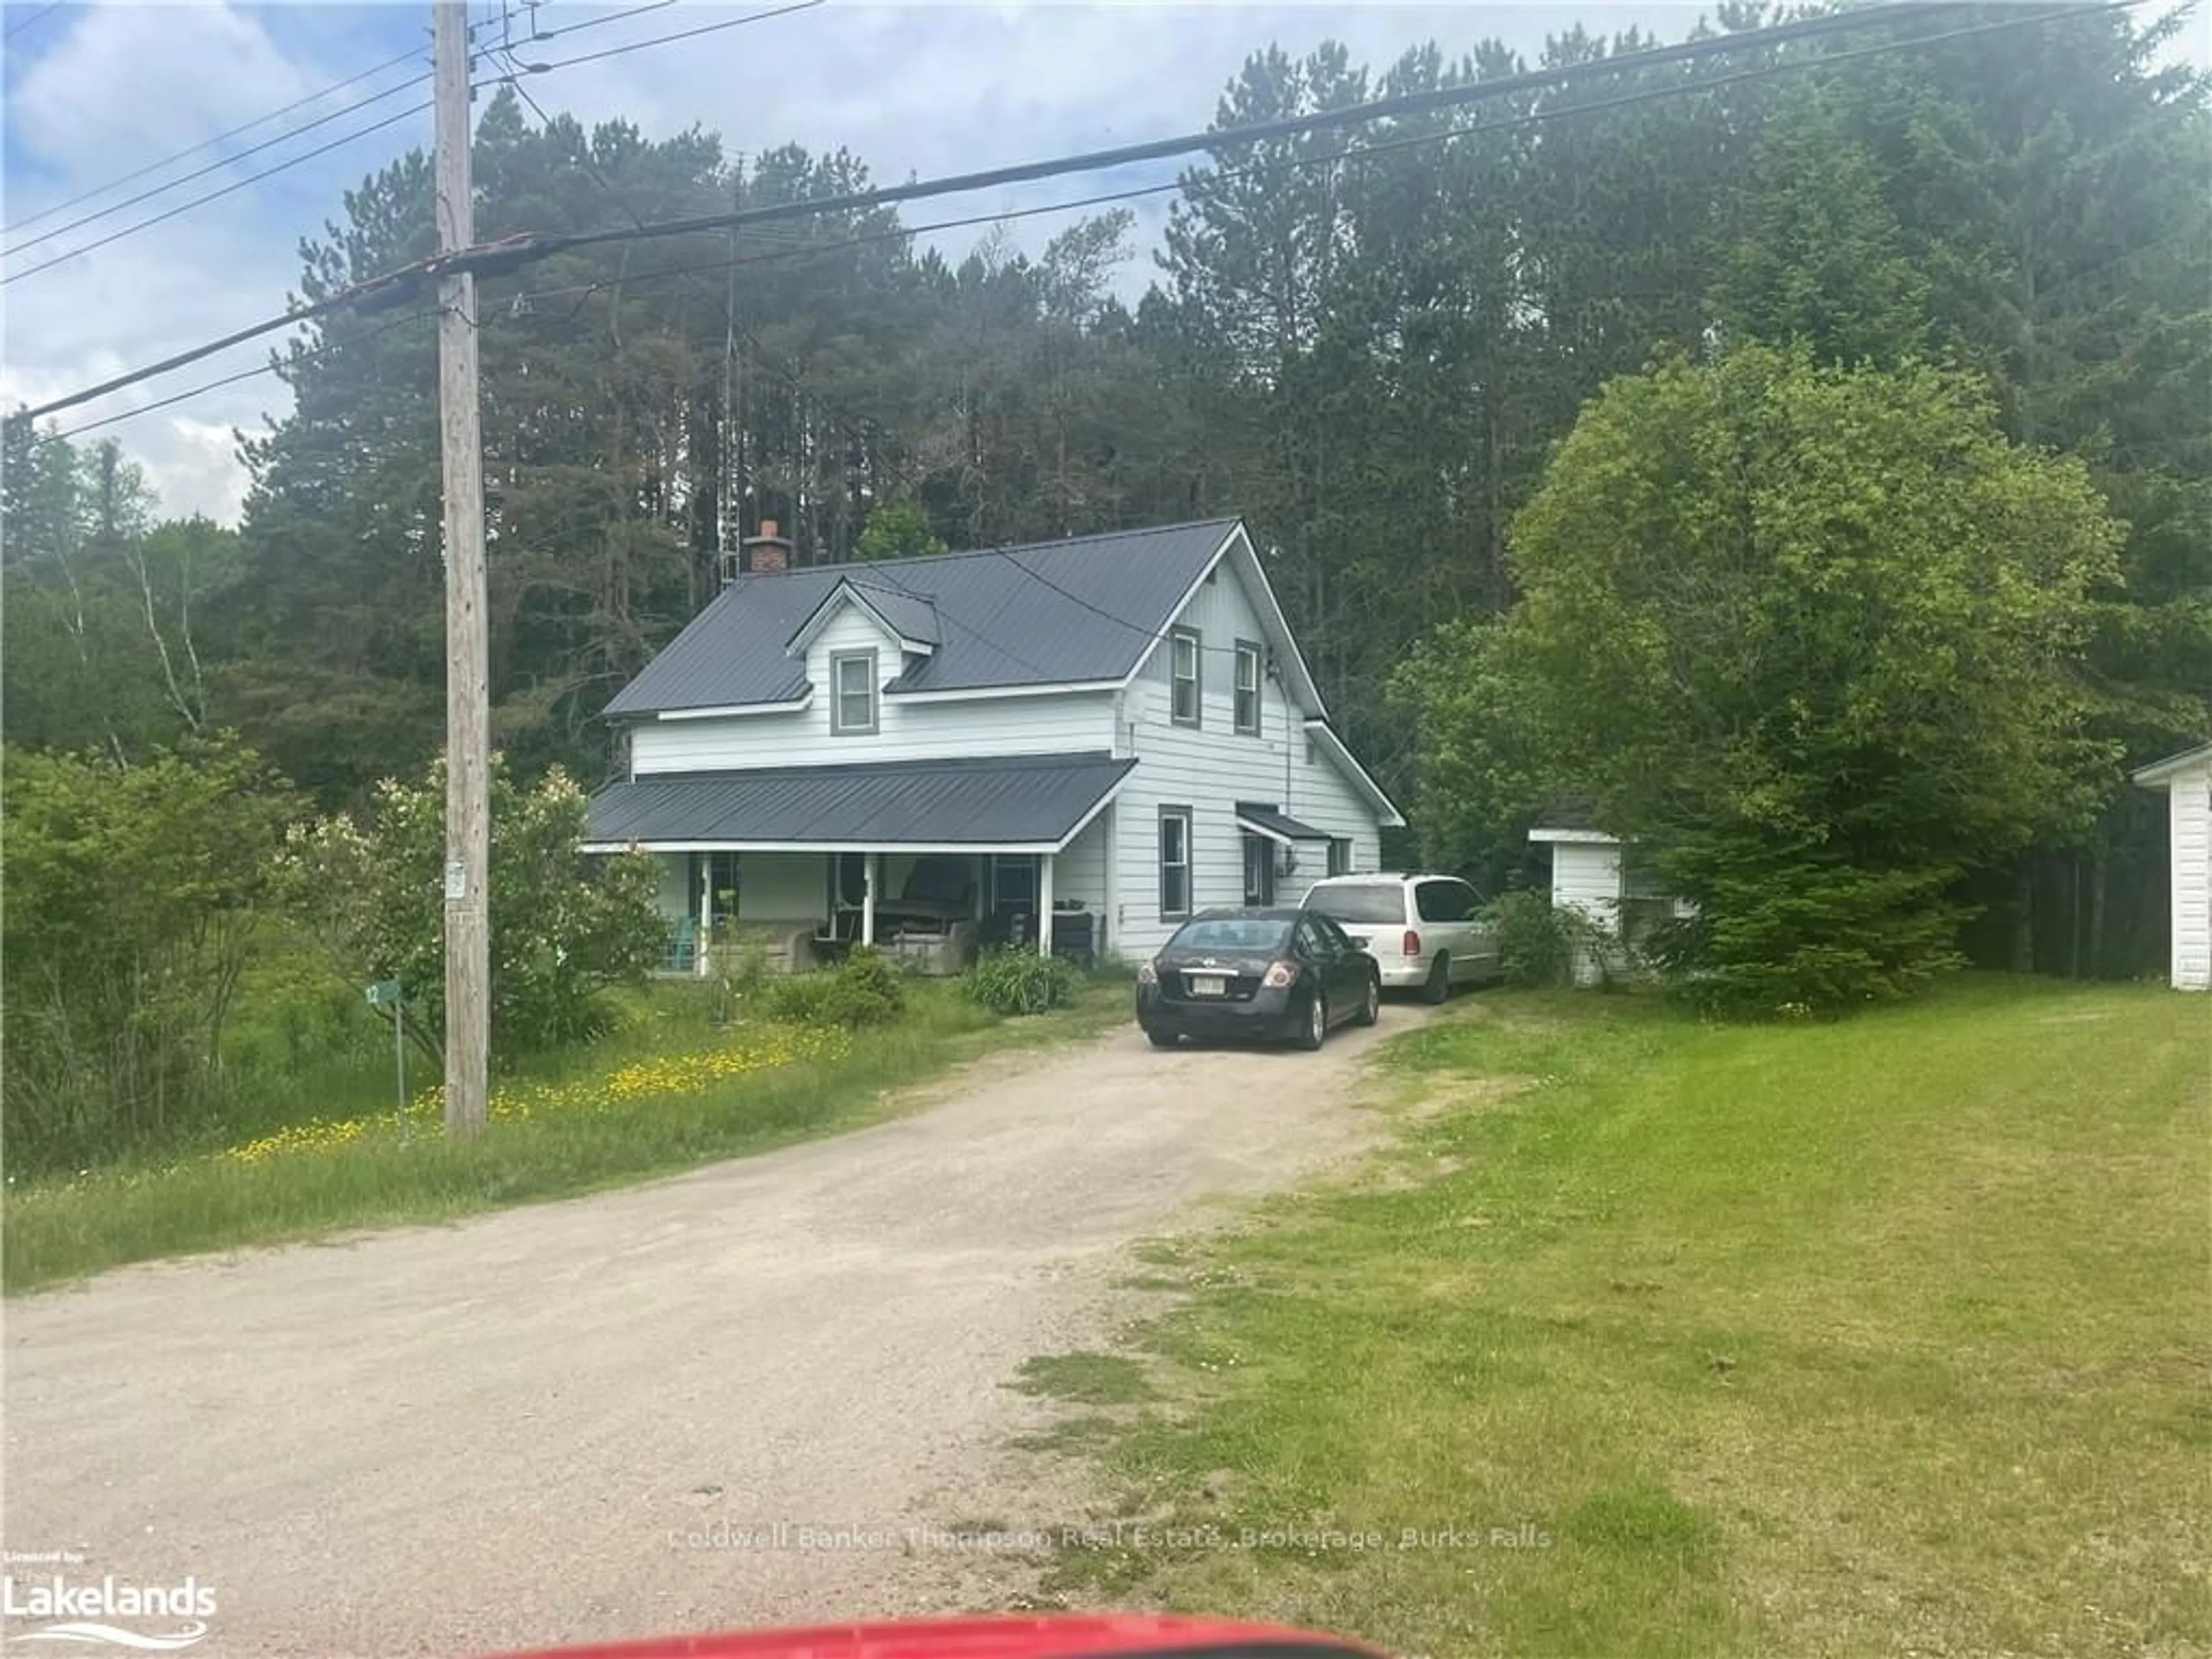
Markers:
993,804
1278,827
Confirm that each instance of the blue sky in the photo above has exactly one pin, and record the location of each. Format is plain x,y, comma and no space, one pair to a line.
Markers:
93,91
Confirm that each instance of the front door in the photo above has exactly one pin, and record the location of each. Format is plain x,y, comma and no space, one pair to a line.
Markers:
1011,900
1259,870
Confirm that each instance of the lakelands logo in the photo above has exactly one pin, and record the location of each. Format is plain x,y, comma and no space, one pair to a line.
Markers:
84,1613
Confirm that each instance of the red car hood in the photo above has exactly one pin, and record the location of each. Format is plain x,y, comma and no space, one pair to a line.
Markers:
1058,1637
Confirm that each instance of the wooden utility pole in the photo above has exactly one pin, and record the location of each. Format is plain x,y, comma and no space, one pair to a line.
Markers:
468,712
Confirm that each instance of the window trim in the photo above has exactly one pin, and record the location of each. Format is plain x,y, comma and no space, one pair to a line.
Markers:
1161,865
1177,637
1248,651
838,728
1339,855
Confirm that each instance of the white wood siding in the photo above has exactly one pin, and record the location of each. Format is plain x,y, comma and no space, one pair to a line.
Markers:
1586,878
1079,872
1211,767
2189,814
1051,723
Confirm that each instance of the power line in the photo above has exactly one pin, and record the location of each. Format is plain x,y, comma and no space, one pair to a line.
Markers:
524,249
43,12
1421,103
664,39
214,195
68,203
411,55
605,17
217,165
1252,170
1350,152
309,155
327,349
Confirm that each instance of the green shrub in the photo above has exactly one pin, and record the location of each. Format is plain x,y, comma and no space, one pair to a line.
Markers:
864,989
1539,944
567,925
1787,923
1013,982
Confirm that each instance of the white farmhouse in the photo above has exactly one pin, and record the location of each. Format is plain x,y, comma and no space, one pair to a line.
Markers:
1113,732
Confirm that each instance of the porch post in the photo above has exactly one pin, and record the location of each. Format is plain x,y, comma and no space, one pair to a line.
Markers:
868,865
700,965
1044,904
1109,923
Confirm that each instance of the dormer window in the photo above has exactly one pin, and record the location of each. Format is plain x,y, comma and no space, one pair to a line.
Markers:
852,693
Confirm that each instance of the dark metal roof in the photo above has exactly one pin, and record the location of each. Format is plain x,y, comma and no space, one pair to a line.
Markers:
907,614
2166,767
1002,800
1280,824
911,616
1072,611
1568,813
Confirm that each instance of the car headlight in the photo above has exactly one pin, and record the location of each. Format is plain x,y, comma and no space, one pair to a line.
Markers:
1147,975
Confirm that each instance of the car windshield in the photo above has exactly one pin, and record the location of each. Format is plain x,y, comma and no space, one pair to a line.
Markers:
1373,903
1230,934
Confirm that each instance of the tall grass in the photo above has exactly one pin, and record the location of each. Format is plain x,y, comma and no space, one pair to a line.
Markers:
203,1198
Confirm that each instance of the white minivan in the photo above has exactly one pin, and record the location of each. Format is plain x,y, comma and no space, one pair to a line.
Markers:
1425,931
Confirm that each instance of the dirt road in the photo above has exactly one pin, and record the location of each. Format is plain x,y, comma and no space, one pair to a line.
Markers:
557,1423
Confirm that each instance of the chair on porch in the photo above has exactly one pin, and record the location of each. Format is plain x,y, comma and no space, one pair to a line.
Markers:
683,947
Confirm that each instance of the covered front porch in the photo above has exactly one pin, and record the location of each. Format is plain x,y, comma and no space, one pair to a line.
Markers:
930,862
932,912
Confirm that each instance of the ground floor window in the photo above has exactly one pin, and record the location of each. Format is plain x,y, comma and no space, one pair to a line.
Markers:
1339,855
1174,861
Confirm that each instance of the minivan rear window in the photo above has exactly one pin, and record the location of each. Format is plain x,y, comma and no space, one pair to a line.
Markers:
1376,902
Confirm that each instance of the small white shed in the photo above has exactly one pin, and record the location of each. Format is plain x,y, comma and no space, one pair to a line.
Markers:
1593,874
2187,778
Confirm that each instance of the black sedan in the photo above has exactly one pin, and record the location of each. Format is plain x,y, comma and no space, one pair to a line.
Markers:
1281,974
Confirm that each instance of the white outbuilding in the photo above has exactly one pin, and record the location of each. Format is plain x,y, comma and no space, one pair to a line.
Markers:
2186,778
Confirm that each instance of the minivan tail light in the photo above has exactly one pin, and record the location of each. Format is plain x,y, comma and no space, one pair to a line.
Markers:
1412,943
1280,974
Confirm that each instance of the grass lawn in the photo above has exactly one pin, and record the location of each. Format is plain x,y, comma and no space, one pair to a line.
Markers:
1651,1338
669,1090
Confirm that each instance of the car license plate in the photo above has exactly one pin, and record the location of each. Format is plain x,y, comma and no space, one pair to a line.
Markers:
1208,985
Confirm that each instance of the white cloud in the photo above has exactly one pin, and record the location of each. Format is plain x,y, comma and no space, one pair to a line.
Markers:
914,89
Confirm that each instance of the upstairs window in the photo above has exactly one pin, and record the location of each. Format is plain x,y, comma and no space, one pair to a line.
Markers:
1183,671
852,693
1247,687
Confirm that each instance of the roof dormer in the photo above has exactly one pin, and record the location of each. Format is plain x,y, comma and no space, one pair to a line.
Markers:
908,620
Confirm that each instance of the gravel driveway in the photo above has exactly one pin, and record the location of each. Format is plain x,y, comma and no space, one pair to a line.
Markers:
552,1424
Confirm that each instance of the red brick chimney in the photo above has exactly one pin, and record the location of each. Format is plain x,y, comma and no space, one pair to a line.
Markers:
767,551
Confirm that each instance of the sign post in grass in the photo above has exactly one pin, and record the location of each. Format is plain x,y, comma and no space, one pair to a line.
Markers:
385,994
